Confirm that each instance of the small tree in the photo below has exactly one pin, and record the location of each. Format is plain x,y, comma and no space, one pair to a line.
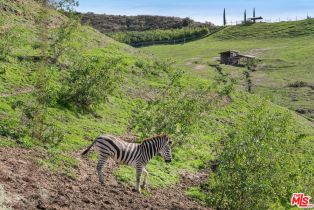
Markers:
58,45
187,22
91,79
62,36
175,111
254,15
64,5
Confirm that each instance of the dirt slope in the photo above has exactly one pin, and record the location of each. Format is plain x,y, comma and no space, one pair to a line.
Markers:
28,186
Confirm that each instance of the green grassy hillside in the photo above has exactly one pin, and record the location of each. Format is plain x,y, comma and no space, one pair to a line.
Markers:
67,129
62,84
290,29
283,48
19,74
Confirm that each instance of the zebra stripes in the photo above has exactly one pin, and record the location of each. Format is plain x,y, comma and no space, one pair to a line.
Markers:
133,154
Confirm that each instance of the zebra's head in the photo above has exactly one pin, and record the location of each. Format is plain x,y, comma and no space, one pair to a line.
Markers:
165,150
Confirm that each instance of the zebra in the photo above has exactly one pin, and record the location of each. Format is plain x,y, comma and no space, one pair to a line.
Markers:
133,154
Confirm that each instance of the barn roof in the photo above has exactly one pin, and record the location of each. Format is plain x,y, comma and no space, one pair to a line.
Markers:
229,51
256,18
246,56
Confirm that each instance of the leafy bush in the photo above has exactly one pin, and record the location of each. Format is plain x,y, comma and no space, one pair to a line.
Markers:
38,124
11,127
174,114
59,46
131,37
150,67
10,39
259,163
298,84
47,89
114,23
223,84
92,78
175,111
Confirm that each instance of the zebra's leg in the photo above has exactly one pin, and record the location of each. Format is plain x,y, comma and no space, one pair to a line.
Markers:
139,170
145,178
100,172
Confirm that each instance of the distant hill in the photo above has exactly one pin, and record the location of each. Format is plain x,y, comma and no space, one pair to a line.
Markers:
290,29
117,23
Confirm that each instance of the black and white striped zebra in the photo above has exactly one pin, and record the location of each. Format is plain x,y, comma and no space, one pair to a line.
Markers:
133,154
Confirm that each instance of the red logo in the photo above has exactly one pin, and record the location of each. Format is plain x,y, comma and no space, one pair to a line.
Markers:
301,200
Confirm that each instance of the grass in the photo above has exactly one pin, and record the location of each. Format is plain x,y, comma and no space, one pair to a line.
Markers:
285,58
290,29
111,117
196,194
6,142
114,116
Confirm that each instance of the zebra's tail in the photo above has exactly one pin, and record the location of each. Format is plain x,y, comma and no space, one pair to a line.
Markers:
88,148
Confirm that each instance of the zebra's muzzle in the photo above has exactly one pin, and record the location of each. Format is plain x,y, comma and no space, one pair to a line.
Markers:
168,161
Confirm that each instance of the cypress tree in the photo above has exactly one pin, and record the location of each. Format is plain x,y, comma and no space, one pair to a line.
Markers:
225,21
244,16
254,14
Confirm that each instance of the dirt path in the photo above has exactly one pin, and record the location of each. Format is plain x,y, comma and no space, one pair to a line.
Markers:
29,186
17,92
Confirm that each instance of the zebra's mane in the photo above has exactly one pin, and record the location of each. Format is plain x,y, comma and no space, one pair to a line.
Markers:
156,136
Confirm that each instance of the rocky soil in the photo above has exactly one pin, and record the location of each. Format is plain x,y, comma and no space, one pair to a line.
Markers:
26,185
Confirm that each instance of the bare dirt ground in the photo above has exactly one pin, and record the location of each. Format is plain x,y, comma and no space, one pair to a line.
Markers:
17,92
200,67
25,185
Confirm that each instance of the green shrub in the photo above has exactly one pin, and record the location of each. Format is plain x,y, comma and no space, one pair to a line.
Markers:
11,127
10,39
92,78
197,194
259,163
298,84
150,67
61,36
39,124
175,111
159,35
47,89
223,84
34,111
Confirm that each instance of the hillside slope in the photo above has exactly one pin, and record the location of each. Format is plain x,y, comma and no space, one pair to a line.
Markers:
31,187
283,48
62,84
117,23
290,29
52,135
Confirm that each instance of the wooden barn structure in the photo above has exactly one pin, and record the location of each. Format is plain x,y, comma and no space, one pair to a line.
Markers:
254,19
235,58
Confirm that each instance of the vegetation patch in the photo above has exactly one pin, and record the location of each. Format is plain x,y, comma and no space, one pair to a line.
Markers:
269,30
117,23
261,158
300,84
179,35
